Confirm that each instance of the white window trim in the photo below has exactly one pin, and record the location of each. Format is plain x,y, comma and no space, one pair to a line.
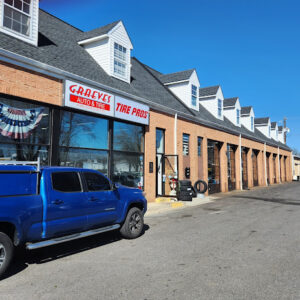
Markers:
124,62
31,38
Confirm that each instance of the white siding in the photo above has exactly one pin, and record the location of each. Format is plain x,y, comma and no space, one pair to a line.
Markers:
212,104
181,91
273,133
281,137
264,129
119,35
33,37
246,120
99,50
231,113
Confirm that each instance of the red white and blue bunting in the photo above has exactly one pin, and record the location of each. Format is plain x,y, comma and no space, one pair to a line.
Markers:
18,123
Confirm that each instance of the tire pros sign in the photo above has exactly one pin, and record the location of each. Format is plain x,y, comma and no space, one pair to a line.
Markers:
85,98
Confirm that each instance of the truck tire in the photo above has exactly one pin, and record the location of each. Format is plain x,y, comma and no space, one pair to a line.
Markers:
185,183
133,225
197,186
6,252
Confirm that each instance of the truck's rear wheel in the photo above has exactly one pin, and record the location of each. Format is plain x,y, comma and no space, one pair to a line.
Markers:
6,252
133,225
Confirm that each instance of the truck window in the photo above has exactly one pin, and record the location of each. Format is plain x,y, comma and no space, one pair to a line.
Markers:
66,182
96,182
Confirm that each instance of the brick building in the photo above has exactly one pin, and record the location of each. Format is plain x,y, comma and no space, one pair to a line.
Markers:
78,98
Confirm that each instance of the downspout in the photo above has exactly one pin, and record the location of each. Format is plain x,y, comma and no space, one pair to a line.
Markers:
265,156
279,165
175,144
241,171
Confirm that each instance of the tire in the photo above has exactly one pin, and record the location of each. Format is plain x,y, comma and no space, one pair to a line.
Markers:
133,225
185,183
6,252
197,186
184,193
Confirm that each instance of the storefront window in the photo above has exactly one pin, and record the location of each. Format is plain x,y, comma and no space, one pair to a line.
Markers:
24,131
128,137
83,131
128,169
84,158
160,141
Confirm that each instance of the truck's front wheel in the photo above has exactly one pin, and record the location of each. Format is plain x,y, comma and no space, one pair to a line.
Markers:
6,252
133,225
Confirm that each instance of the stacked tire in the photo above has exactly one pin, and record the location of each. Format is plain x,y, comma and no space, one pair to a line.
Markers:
186,191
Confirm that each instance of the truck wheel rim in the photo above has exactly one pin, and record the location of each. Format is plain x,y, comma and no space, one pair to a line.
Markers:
2,255
135,223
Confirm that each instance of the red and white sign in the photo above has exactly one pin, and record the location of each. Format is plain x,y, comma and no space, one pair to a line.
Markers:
86,98
131,111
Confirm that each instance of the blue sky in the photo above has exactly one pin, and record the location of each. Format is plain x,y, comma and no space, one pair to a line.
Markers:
251,48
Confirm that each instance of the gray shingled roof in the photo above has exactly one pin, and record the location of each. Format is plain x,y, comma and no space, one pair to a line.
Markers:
273,125
261,121
245,110
97,31
58,47
229,102
208,91
175,77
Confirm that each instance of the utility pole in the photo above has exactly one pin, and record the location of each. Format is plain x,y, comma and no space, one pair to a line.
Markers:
284,129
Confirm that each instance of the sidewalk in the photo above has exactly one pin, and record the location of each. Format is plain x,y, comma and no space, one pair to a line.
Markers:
170,205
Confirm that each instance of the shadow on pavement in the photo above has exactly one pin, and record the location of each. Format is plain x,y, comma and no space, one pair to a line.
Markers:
23,258
274,200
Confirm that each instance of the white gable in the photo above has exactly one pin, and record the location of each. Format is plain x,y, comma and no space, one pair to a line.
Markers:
265,129
33,16
248,120
274,133
183,90
211,103
231,113
102,49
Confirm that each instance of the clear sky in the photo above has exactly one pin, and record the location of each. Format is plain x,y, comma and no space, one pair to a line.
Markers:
250,47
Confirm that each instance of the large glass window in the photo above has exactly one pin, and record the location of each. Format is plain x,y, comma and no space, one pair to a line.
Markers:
24,131
128,169
16,16
128,137
199,144
83,142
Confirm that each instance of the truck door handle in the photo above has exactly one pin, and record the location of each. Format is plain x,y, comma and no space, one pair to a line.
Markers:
57,202
93,199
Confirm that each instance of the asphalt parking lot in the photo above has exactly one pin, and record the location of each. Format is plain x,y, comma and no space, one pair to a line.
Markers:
241,246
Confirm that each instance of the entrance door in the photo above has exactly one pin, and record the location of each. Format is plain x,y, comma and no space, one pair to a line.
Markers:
244,168
167,174
213,166
255,168
231,167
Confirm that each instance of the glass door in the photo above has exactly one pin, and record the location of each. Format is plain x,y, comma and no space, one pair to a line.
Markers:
213,166
254,168
231,167
244,168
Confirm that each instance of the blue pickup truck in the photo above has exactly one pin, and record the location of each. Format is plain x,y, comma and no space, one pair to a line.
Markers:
51,205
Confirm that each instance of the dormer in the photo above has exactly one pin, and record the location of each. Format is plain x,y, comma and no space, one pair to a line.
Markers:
281,134
232,110
20,18
212,99
110,46
274,131
247,117
263,125
185,85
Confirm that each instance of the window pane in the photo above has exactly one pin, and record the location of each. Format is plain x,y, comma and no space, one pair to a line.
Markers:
16,26
185,143
128,137
10,2
128,169
199,146
23,152
26,8
8,12
84,158
96,182
18,4
7,22
83,131
66,182
160,141
23,122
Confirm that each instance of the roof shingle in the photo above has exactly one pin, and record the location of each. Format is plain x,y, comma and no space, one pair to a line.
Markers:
175,77
208,91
